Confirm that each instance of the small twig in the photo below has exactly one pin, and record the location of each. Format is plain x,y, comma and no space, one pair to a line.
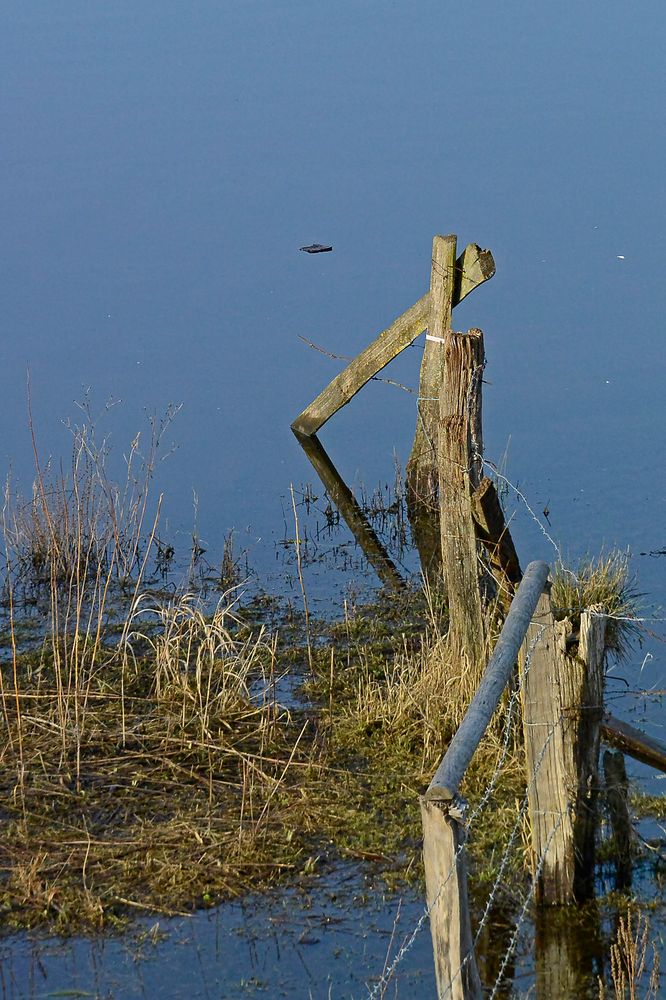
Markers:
153,909
300,575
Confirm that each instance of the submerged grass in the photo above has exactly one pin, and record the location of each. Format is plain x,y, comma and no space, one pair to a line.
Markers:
163,774
147,762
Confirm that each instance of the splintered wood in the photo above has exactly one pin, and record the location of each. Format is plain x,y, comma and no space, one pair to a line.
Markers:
562,711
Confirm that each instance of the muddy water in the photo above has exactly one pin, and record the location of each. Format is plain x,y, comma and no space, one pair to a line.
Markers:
163,162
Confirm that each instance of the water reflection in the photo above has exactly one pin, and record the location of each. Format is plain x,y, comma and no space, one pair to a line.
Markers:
328,938
352,512
569,953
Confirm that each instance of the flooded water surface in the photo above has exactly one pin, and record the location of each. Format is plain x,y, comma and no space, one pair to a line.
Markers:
162,164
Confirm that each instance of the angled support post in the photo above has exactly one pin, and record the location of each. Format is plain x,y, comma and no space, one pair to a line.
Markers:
473,267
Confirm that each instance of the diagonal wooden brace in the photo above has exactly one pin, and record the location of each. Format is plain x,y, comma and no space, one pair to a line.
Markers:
473,267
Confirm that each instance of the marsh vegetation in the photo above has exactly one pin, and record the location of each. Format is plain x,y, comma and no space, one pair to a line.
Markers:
164,749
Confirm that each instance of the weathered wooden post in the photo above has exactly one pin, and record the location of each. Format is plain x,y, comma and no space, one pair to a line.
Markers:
494,535
459,447
442,815
461,276
562,711
422,470
445,864
583,691
471,269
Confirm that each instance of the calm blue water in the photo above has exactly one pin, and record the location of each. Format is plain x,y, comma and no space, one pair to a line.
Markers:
162,162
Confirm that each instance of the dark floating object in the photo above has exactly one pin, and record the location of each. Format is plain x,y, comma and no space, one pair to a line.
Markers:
316,248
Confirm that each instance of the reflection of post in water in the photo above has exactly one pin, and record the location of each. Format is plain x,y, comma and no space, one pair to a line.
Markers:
423,514
569,952
493,944
350,510
617,798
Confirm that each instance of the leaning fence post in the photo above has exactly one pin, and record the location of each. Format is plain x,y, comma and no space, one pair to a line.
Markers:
562,710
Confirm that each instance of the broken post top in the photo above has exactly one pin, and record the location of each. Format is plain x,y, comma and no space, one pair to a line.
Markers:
472,268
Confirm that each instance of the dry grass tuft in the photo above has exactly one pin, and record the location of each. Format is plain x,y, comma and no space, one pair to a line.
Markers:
632,980
194,662
603,582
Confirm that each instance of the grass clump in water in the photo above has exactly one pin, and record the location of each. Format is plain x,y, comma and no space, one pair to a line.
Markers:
604,583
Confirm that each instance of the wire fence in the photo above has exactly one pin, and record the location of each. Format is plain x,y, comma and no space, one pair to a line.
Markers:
458,810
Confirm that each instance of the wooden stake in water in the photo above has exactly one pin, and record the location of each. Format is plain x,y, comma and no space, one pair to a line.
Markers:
446,895
458,449
562,711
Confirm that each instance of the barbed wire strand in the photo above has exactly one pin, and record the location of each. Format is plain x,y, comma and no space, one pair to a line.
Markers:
505,857
521,496
380,986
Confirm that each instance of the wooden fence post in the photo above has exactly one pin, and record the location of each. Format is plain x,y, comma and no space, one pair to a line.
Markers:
459,449
446,895
422,472
544,655
562,710
460,277
583,696
422,477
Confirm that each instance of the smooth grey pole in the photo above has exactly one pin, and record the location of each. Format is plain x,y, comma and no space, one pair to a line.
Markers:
449,774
